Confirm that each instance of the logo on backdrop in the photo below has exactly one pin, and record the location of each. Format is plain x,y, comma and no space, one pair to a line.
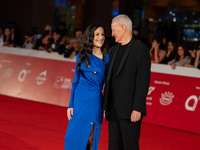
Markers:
149,99
28,64
62,82
59,81
0,65
6,61
22,75
67,84
198,87
8,72
151,89
191,102
162,82
41,78
166,98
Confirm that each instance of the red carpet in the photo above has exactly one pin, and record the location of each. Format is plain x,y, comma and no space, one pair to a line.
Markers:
28,125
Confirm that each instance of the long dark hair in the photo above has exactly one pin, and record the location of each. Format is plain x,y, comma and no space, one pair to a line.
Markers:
175,47
10,37
88,45
185,48
159,40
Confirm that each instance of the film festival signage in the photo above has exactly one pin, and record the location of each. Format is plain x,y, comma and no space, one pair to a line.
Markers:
173,98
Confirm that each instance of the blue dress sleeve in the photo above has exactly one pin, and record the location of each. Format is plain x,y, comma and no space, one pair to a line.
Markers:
74,84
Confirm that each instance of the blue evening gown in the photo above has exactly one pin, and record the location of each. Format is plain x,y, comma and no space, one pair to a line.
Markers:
86,99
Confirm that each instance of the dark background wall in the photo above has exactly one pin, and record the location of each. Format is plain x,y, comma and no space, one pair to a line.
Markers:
27,13
98,11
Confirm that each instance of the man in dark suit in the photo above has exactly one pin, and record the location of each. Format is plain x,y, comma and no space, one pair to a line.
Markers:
126,86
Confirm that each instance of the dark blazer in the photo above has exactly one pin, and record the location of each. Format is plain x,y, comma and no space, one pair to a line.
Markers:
131,81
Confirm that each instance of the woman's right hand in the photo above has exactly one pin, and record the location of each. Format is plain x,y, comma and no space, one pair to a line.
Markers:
156,49
69,113
173,66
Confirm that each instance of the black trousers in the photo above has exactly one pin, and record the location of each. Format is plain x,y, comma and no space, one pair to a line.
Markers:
123,134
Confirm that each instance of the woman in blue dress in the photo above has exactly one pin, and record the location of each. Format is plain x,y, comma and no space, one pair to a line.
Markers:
85,111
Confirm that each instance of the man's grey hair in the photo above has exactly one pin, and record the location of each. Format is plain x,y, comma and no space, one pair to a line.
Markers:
123,20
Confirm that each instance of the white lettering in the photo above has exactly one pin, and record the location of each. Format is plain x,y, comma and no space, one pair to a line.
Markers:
151,89
161,82
148,103
6,61
198,87
149,98
191,108
41,78
22,75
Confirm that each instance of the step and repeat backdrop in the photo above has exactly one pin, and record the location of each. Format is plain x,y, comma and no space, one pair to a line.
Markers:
39,78
173,99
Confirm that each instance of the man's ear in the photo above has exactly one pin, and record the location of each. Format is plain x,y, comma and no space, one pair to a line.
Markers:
123,28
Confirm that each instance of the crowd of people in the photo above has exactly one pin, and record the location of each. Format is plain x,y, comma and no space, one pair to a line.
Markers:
167,51
50,40
162,50
174,54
